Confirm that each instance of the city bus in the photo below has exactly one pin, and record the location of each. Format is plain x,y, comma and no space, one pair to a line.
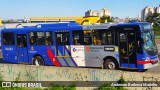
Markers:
109,46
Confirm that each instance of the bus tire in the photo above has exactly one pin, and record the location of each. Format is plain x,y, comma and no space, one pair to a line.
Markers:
38,61
110,64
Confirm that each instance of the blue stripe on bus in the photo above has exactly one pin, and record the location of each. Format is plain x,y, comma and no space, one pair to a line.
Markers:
60,48
65,61
128,65
140,66
71,57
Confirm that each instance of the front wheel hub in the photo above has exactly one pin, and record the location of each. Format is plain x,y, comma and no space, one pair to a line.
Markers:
111,65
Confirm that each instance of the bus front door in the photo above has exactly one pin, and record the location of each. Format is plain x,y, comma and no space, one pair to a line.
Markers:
22,48
127,49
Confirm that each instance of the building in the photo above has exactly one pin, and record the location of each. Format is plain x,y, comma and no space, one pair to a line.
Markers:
158,9
149,10
91,13
104,12
54,19
100,13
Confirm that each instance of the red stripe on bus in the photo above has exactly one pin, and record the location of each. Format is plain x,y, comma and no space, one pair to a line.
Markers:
145,62
52,57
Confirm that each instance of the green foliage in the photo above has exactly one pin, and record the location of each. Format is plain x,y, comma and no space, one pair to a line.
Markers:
1,77
61,87
121,81
156,24
19,88
108,18
106,87
109,87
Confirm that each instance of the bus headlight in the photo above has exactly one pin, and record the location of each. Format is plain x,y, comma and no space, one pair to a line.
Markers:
147,59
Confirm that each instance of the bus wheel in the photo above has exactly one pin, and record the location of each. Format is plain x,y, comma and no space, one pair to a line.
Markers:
38,61
110,64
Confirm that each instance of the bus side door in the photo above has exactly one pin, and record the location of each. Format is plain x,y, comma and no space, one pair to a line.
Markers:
127,49
62,41
22,48
63,48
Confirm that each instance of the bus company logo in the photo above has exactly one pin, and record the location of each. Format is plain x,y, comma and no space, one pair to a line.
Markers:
32,48
74,50
6,84
87,49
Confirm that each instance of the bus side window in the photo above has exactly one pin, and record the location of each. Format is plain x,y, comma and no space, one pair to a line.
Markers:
24,41
103,37
66,38
21,40
77,37
49,38
8,38
62,38
4,41
98,37
87,37
32,41
32,38
40,38
110,38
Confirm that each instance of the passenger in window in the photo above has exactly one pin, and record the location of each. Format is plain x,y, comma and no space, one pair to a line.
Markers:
5,42
32,41
85,42
77,42
42,41
48,42
21,45
59,41
99,42
94,40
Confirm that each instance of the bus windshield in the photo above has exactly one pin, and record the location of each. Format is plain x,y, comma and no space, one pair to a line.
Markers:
149,41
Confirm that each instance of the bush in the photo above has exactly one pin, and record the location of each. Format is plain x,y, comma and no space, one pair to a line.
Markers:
109,87
61,87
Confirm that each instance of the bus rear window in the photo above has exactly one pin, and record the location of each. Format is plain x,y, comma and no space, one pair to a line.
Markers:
8,38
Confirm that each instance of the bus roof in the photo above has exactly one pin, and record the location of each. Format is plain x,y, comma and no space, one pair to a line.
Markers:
108,25
69,26
98,26
132,23
42,27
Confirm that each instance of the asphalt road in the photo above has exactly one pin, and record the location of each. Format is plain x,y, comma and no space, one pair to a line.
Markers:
154,69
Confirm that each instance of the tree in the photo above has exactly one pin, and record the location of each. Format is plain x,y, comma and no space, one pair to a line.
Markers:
108,18
153,18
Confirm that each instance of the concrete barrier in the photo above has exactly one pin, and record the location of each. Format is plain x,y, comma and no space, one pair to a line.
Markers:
50,73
